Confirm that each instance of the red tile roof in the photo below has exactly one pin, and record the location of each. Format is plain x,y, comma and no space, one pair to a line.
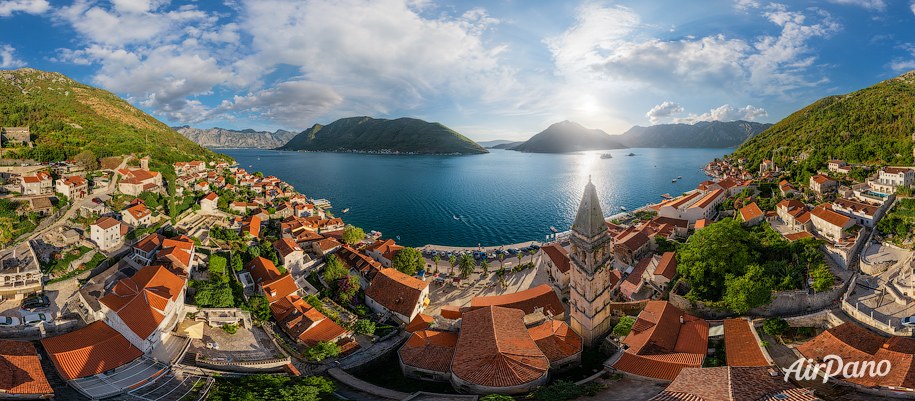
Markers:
420,322
820,179
106,222
541,296
659,345
709,197
831,217
20,370
89,351
556,340
286,246
140,301
303,322
386,248
667,266
396,291
727,383
494,349
211,196
798,235
263,270
750,212
149,243
429,350
558,255
701,223
630,285
139,211
743,348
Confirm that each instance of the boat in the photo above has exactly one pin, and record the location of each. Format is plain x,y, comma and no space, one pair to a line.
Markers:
623,208
606,156
666,196
673,180
345,210
631,154
455,217
553,229
679,177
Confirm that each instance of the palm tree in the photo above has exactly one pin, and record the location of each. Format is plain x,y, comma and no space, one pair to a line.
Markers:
520,255
501,256
453,260
467,265
485,266
436,259
532,253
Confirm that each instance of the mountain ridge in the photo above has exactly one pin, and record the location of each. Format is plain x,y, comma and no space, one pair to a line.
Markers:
568,136
702,134
217,137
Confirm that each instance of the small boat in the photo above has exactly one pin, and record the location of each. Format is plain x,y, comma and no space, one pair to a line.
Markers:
666,196
631,154
606,156
673,180
398,238
345,210
623,208
553,229
679,177
455,217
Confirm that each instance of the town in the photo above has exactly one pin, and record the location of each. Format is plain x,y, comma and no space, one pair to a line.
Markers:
123,282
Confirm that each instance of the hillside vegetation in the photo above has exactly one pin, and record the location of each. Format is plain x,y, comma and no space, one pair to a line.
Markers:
366,134
568,136
872,125
66,117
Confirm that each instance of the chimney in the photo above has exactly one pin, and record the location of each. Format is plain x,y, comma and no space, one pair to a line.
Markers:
681,319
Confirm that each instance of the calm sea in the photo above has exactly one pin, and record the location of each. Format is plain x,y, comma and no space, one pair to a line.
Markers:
498,198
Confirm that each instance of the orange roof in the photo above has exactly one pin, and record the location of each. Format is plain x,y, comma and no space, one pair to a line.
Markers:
708,199
659,345
286,246
211,196
251,225
820,179
663,367
823,212
556,340
726,383
451,312
149,243
667,266
676,203
139,211
106,222
75,181
281,287
701,223
429,350
420,322
798,235
396,291
89,351
327,244
630,285
20,370
386,247
558,255
263,270
541,296
742,344
140,301
303,322
496,350
750,212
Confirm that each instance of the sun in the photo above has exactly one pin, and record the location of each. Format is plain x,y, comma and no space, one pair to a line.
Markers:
589,105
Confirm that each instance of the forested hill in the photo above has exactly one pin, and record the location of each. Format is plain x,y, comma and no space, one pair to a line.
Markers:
365,134
872,125
568,136
66,117
703,134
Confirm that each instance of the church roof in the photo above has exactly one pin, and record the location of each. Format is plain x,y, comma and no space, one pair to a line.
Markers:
589,221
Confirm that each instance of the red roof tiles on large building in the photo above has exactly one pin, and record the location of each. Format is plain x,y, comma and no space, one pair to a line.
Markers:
429,350
396,291
20,370
89,351
541,296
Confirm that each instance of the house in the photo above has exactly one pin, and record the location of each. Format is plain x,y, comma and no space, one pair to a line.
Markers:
144,308
661,271
556,264
838,166
177,253
89,351
675,207
242,207
325,246
704,208
864,213
663,341
20,368
107,233
145,249
890,178
766,166
209,203
20,273
270,282
427,355
359,263
137,215
632,286
730,383
751,214
383,251
830,224
396,294
743,342
631,245
251,227
135,181
41,205
202,186
786,189
304,323
291,254
822,185
794,214
38,184
73,187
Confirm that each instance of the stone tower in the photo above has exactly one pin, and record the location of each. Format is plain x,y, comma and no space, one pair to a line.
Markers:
591,258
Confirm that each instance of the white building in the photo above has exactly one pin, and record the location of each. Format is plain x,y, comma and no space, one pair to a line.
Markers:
107,233
401,296
891,178
73,188
829,224
209,203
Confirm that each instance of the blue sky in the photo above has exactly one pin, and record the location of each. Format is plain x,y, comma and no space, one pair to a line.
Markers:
491,70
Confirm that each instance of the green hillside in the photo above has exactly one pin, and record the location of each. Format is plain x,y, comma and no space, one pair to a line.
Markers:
568,136
365,134
66,117
872,125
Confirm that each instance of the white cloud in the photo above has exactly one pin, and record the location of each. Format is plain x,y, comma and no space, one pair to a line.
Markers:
8,57
912,7
902,64
662,111
877,5
10,7
746,5
606,44
290,102
725,112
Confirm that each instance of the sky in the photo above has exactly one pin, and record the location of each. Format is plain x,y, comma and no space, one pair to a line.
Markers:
503,69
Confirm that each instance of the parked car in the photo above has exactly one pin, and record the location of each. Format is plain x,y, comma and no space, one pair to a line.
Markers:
908,321
7,321
36,302
35,318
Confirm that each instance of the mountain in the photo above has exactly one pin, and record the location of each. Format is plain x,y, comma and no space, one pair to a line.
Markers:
508,145
703,134
66,117
366,134
494,143
568,136
225,138
872,125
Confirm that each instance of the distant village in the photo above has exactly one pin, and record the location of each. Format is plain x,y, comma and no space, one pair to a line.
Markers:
120,282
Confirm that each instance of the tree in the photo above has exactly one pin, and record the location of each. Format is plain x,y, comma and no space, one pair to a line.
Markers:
217,266
86,159
272,388
322,350
237,264
822,277
497,397
711,254
259,308
353,235
435,260
775,327
467,265
748,291
408,261
520,255
532,252
484,265
453,261
334,269
346,288
364,326
624,326
501,258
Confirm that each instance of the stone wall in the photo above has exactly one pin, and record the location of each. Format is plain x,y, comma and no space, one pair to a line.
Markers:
784,303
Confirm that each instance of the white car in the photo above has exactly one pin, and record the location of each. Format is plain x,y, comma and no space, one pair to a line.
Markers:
35,318
7,321
908,321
